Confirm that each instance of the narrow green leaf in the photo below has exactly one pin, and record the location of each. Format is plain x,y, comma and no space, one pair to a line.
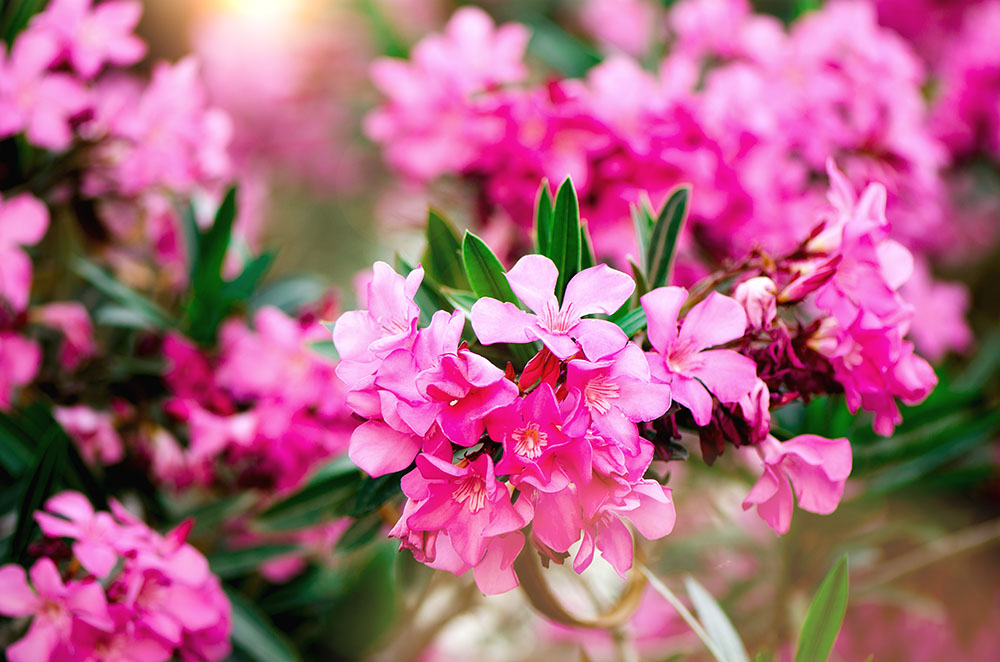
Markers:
564,248
716,623
825,616
326,349
245,561
16,448
586,249
205,308
556,47
633,322
460,300
663,241
484,270
543,219
156,317
443,257
327,495
289,294
643,224
39,485
255,636
641,287
243,286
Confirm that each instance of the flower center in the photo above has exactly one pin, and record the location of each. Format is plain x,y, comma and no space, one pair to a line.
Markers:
599,393
558,321
529,441
472,492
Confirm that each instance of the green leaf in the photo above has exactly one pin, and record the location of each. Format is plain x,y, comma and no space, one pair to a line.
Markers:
154,316
288,294
255,636
564,248
484,270
633,322
330,493
460,300
543,219
205,308
716,623
586,249
373,492
557,48
39,485
16,447
16,16
663,241
325,348
360,533
245,561
443,257
825,616
243,286
643,224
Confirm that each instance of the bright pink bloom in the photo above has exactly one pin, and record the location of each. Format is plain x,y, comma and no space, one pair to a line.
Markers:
614,394
94,534
127,641
23,222
52,604
20,359
72,320
92,36
94,433
33,99
816,468
530,430
533,279
682,358
470,507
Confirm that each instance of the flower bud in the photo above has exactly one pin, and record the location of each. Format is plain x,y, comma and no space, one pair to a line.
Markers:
757,298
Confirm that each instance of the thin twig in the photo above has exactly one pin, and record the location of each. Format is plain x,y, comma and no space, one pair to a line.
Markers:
688,617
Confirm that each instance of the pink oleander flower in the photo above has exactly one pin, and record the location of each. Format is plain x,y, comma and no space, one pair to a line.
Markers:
127,641
95,534
72,320
614,394
23,222
623,25
94,35
814,467
53,605
682,358
471,510
757,296
531,431
533,279
939,321
94,433
20,359
32,98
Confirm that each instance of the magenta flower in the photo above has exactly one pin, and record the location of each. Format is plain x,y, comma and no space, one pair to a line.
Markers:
816,468
682,358
127,641
598,289
72,320
23,222
614,394
94,534
20,359
94,433
91,36
33,99
52,604
468,505
530,430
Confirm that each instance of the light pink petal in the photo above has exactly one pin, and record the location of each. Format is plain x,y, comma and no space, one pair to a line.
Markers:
71,505
832,455
87,601
46,580
378,449
495,322
15,278
615,543
655,515
715,321
773,497
599,289
557,520
662,306
36,646
690,393
727,374
533,280
189,607
98,558
562,346
599,338
24,220
16,597
641,401
495,573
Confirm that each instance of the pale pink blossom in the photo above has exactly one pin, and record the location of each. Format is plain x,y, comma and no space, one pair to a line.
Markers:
814,467
94,35
94,433
682,357
560,327
72,320
20,359
23,222
757,296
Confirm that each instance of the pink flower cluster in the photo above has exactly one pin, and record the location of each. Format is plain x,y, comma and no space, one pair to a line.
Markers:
126,592
263,413
738,96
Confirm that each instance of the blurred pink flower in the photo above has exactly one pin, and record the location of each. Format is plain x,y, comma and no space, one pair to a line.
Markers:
20,359
94,433
94,35
23,222
72,320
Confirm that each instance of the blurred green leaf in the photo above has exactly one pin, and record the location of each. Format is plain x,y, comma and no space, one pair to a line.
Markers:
243,286
360,533
39,485
327,495
325,348
155,316
17,450
443,257
255,636
244,561
633,322
16,15
205,308
559,49
564,247
825,616
716,623
288,294
663,240
373,492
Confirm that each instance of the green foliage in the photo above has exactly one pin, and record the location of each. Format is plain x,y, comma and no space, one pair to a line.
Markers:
662,244
443,256
564,243
16,15
255,636
543,219
716,623
825,616
485,272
